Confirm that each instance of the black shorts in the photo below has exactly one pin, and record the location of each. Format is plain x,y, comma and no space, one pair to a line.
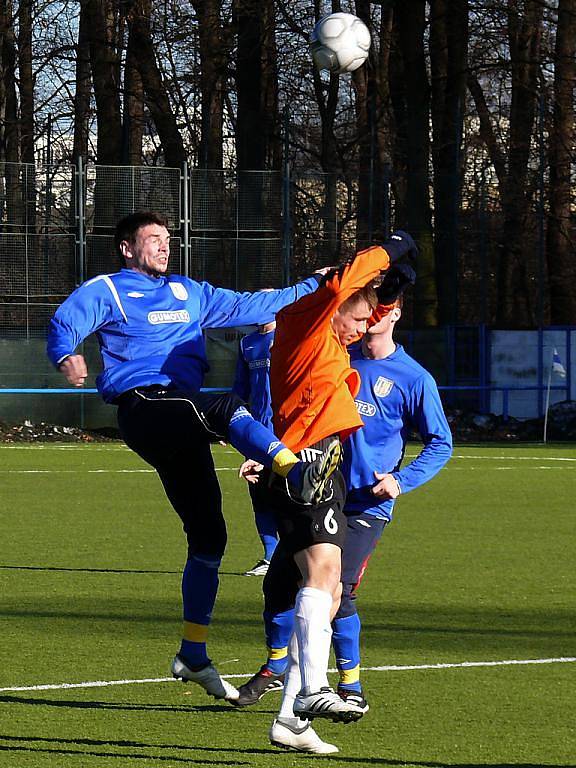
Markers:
300,526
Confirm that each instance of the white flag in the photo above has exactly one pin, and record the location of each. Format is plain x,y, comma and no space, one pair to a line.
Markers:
557,366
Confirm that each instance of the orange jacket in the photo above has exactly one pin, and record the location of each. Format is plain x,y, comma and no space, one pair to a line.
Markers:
312,384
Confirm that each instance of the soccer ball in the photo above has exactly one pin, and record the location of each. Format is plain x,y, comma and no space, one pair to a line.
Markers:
340,43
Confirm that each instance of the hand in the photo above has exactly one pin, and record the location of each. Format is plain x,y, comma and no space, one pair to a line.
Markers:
387,487
395,282
74,369
401,244
250,471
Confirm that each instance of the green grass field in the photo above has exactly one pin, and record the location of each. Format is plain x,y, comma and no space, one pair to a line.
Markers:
477,567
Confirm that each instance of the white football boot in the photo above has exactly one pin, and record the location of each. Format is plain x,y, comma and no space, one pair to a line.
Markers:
208,677
303,739
327,704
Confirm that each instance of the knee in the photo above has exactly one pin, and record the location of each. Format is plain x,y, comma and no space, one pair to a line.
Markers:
207,540
325,576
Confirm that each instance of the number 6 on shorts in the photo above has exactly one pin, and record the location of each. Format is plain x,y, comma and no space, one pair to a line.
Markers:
330,523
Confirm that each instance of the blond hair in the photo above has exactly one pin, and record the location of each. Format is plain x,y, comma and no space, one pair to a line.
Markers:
367,294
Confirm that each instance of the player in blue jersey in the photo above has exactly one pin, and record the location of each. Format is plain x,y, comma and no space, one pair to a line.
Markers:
149,327
396,395
252,384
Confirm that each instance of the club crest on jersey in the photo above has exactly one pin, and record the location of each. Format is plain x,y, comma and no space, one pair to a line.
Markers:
179,291
383,386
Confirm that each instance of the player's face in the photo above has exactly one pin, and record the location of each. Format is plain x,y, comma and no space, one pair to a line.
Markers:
350,323
150,251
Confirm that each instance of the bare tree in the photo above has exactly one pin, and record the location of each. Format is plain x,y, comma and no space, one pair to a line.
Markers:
142,48
560,239
83,89
26,81
257,134
214,45
9,123
369,113
134,113
412,102
105,62
448,61
524,32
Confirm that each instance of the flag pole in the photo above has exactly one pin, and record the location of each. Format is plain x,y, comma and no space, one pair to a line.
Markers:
547,399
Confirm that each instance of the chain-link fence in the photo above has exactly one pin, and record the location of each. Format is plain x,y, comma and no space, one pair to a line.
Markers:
246,231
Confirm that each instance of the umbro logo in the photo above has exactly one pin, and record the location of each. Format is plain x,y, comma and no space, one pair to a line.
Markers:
135,295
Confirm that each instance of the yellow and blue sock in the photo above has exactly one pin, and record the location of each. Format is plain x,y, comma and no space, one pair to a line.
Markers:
278,628
266,527
346,642
199,588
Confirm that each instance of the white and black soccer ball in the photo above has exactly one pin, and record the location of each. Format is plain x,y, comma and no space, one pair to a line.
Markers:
340,42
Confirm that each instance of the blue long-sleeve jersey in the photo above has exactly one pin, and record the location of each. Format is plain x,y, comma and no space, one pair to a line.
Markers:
150,328
252,378
396,395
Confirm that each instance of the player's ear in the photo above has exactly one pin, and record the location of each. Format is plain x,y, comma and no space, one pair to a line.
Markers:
125,249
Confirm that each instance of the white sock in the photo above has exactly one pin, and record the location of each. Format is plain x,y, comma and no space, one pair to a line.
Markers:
314,633
292,684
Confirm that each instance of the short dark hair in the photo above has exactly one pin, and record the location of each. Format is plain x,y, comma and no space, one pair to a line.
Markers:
127,227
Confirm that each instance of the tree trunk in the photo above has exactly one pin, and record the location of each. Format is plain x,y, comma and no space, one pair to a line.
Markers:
27,132
83,87
448,59
560,241
133,104
326,93
9,126
250,120
410,20
105,65
26,82
368,116
213,56
514,306
155,93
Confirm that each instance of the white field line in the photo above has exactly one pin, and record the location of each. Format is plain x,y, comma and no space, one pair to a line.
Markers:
92,471
511,458
387,668
223,469
121,447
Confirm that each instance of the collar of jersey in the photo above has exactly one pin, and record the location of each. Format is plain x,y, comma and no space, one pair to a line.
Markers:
140,277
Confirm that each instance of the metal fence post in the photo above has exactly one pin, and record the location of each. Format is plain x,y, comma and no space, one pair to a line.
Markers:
80,228
80,250
540,373
185,219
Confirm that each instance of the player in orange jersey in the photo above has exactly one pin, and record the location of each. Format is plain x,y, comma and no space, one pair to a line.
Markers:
313,388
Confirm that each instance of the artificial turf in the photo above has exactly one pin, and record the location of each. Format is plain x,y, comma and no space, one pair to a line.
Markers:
477,567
